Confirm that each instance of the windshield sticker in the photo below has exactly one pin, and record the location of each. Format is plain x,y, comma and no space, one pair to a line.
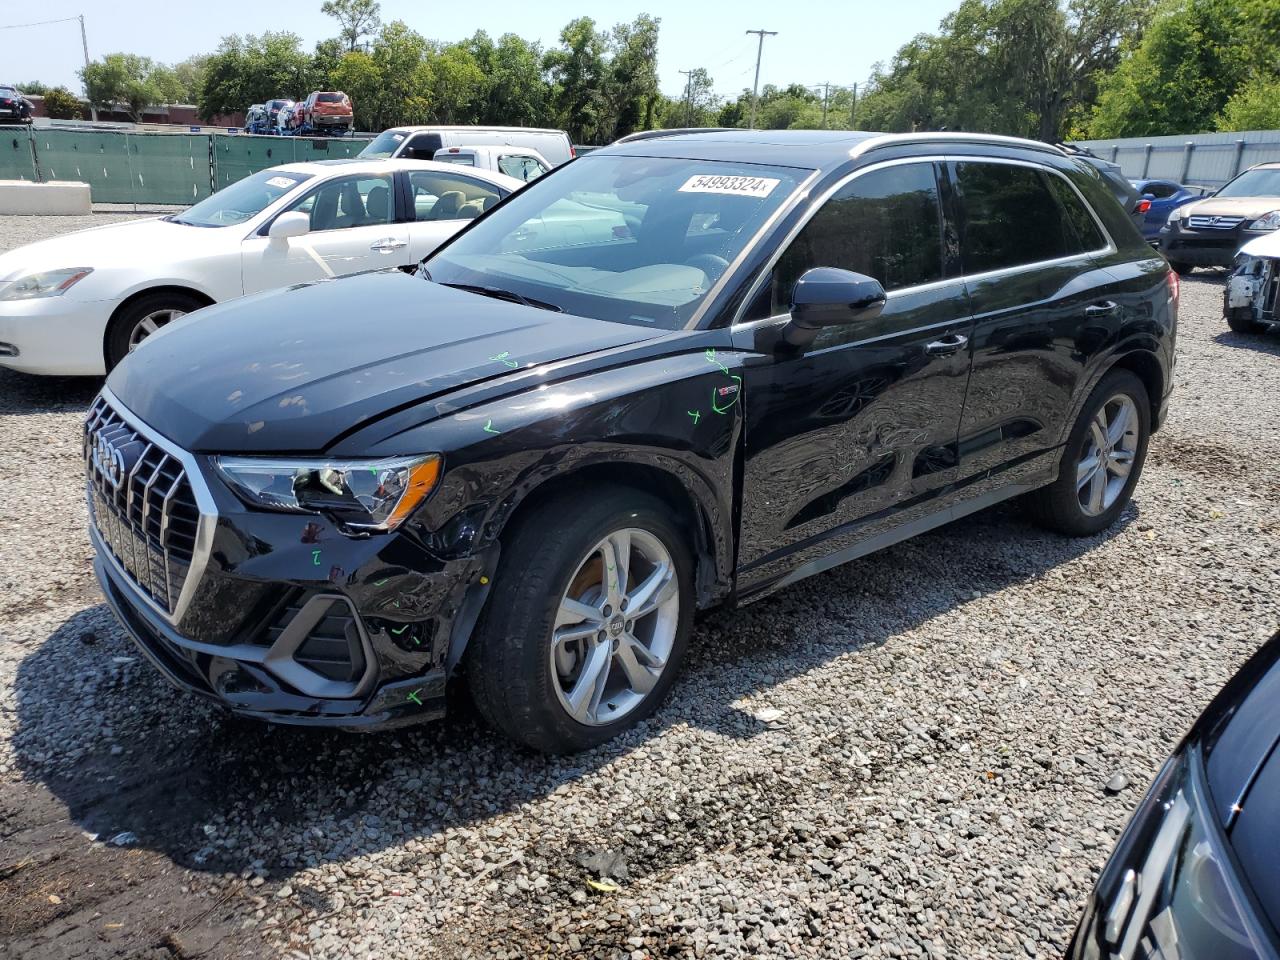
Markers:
737,186
284,183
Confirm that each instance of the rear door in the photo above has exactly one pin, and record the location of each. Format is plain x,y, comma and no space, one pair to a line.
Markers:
1042,305
440,203
842,439
353,228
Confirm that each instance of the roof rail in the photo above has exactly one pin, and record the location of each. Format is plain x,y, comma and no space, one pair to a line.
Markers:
895,139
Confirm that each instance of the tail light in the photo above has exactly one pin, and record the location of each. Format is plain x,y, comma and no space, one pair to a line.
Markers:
1175,287
572,152
1143,206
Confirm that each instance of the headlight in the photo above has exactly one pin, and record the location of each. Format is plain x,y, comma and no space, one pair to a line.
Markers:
1270,221
1166,894
360,495
47,283
1176,215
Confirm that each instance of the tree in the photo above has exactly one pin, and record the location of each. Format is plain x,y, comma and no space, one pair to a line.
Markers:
456,85
357,18
125,79
188,78
630,89
34,88
248,69
515,91
577,68
1183,72
1254,106
61,104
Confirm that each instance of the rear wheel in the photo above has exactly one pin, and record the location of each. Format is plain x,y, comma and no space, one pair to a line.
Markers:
1102,459
1240,320
143,317
591,610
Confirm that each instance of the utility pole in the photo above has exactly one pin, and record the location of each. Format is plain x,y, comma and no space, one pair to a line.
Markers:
853,110
84,42
826,92
688,98
755,86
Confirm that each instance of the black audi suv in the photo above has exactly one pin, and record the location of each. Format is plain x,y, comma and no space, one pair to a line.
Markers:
672,374
1195,874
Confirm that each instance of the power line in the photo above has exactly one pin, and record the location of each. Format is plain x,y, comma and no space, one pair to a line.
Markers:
38,23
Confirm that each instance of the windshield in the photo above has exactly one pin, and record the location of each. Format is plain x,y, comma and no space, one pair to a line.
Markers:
242,200
635,240
1253,183
384,144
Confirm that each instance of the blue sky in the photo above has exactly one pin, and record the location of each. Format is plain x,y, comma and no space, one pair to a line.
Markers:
816,42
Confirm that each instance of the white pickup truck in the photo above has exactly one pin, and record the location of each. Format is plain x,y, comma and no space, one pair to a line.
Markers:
519,162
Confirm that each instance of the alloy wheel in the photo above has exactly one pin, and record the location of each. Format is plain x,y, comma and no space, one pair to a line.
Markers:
1111,447
615,627
149,324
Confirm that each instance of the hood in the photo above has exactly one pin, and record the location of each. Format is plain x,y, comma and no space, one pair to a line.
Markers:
1248,207
116,244
1239,731
1267,245
291,370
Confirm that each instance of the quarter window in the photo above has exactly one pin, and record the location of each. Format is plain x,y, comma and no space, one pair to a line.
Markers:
1012,215
884,224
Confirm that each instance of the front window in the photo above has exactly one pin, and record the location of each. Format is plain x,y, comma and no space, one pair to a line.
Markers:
634,240
1253,183
241,201
384,144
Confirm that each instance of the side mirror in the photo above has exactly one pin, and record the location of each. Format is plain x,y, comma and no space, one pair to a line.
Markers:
292,224
829,297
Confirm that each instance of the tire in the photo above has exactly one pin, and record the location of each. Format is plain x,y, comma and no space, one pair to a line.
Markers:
520,680
1240,320
1181,269
123,334
1069,508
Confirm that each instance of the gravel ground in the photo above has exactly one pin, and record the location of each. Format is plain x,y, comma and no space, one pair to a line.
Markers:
908,756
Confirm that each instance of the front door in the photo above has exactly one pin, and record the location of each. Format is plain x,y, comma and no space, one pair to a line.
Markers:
858,432
353,228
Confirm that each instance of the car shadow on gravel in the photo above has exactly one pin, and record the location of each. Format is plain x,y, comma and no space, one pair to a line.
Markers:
124,752
23,394
1266,342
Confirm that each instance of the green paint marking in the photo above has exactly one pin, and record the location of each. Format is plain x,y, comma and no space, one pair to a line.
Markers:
315,557
414,697
696,414
401,630
378,583
728,406
502,358
488,427
711,358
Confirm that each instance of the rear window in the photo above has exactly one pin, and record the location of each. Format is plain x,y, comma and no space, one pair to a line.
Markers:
462,159
330,98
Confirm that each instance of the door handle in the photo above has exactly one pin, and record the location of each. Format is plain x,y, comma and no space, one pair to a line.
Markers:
1104,309
387,245
947,345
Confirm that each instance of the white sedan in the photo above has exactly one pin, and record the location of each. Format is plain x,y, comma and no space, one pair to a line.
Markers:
78,303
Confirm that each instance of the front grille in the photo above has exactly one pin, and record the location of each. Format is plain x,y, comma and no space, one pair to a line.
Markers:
141,503
1214,223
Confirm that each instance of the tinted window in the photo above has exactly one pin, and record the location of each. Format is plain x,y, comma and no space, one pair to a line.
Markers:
1083,233
1013,215
884,224
422,147
329,98
442,196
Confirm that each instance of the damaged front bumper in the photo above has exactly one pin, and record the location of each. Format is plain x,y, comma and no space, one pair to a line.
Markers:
1252,289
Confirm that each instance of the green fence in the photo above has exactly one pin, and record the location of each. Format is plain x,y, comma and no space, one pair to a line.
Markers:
153,168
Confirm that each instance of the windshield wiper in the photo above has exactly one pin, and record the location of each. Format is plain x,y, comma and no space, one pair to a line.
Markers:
499,294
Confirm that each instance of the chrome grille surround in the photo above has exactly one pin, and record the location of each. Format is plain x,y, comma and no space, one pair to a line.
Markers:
152,516
1199,222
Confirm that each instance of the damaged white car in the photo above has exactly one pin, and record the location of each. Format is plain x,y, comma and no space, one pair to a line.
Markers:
1250,305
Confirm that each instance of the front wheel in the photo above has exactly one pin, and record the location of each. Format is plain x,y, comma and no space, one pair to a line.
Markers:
1101,461
591,610
143,317
1240,320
